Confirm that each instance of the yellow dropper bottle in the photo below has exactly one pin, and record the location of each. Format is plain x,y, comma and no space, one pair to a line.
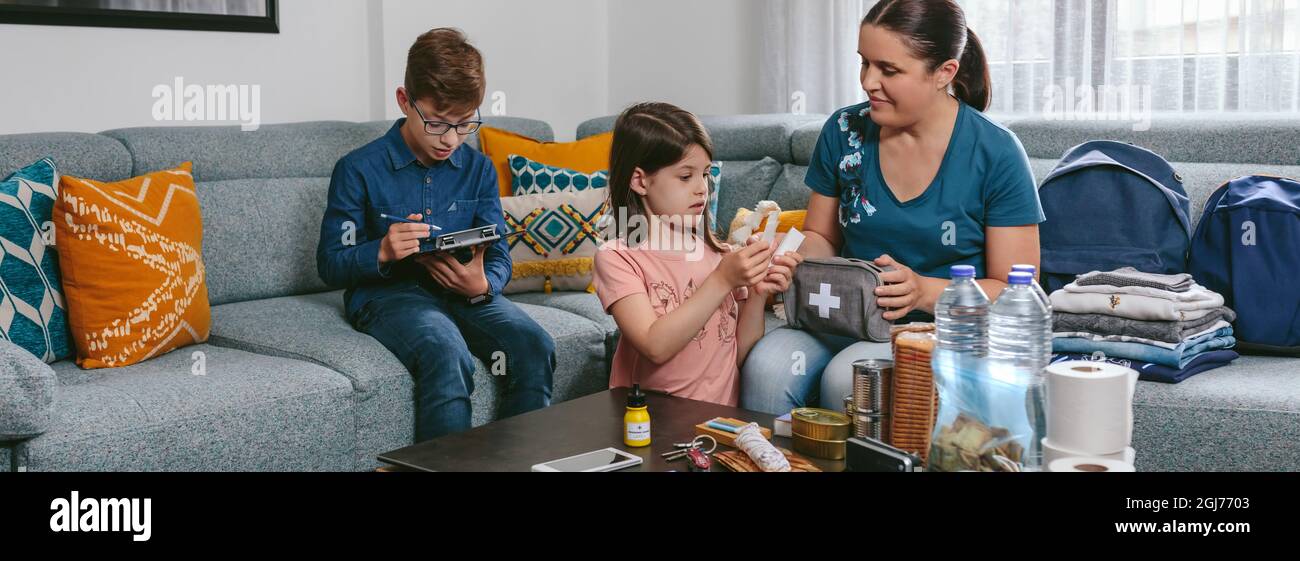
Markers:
636,422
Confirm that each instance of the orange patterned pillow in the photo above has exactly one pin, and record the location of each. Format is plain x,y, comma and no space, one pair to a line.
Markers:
131,257
588,155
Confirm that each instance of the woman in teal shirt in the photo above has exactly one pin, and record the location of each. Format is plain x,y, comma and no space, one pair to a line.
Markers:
917,179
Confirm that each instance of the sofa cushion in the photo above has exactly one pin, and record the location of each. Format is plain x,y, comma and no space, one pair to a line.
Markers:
531,177
83,155
260,235
1242,417
789,191
743,185
130,254
226,152
33,313
1230,137
241,412
584,304
804,140
588,155
561,238
320,333
531,128
28,386
735,137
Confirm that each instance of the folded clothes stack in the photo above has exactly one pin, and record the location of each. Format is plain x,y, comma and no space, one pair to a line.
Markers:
1168,327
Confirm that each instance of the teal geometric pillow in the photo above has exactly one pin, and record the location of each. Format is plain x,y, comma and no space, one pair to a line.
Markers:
32,313
715,175
530,177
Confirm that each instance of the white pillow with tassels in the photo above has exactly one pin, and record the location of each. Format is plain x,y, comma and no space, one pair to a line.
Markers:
560,241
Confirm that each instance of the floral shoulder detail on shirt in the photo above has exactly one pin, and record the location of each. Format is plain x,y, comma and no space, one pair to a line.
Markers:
663,298
853,199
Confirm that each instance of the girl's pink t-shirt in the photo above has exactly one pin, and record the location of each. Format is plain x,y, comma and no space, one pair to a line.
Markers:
706,369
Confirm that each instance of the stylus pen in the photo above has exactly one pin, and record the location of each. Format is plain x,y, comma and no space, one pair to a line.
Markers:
400,219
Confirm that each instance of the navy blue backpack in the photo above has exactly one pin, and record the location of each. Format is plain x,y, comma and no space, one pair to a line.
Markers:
1247,248
1111,205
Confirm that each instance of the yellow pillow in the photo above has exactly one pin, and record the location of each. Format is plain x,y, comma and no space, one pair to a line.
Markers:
131,257
784,221
588,155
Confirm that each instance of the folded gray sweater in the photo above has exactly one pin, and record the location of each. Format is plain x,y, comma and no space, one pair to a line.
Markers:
1166,331
1128,276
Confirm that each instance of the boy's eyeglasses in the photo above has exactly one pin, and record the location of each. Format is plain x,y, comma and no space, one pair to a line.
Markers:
439,128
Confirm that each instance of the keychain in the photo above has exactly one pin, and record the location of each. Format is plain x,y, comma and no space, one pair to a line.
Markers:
699,459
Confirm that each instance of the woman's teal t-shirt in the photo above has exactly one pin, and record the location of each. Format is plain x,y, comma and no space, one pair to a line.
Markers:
984,181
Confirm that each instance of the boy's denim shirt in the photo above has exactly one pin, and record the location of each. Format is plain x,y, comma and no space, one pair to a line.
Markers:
384,177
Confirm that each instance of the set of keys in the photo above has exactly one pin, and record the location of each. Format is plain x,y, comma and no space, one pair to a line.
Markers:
693,451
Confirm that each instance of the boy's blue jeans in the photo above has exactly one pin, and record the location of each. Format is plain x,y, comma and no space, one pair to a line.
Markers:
437,335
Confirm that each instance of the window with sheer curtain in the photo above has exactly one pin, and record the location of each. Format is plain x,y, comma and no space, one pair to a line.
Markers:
1190,55
1208,56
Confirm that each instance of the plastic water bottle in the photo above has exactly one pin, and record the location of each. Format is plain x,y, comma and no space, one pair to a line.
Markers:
1017,323
1038,288
1047,301
961,314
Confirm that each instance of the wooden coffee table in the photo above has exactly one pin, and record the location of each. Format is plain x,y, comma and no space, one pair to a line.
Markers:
581,425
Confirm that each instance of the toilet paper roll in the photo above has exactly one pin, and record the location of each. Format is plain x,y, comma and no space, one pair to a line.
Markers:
1052,452
1090,406
1089,465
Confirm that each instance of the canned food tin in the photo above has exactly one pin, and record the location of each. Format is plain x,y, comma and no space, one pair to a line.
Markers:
821,424
824,449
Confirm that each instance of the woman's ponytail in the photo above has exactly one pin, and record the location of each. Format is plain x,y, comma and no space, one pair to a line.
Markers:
972,84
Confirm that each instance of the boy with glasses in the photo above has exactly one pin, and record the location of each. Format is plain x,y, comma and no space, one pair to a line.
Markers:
431,311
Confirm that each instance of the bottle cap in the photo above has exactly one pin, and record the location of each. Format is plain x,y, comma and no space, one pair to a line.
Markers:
963,271
635,398
1024,269
1017,278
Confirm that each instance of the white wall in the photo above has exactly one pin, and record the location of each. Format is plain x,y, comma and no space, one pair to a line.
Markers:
701,56
89,79
550,58
562,61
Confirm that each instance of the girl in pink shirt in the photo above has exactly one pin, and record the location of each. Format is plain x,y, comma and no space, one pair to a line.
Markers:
689,308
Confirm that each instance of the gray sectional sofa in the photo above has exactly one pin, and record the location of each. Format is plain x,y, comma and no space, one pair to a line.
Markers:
291,386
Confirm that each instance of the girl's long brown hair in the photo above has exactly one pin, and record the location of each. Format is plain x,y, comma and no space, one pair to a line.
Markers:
652,136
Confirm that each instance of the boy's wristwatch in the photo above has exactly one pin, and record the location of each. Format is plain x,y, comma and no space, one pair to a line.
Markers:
480,299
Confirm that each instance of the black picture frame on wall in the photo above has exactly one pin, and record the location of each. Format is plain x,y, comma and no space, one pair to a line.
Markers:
80,13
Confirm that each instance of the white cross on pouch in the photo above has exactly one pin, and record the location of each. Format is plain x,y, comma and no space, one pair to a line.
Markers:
824,301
